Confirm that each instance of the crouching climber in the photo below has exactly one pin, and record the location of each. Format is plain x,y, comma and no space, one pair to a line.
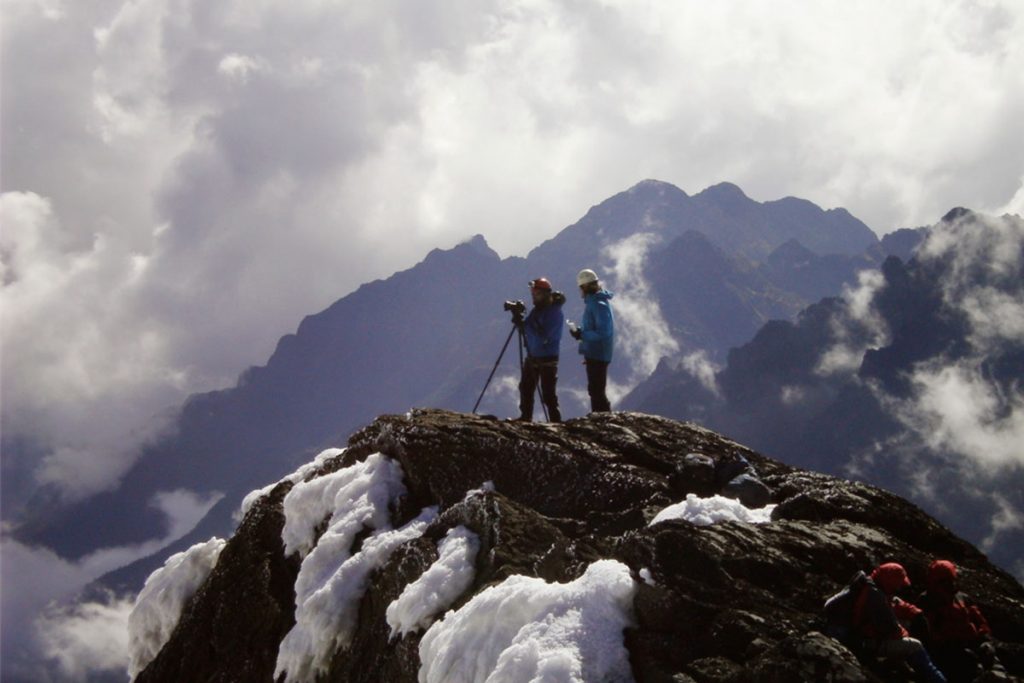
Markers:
867,615
958,635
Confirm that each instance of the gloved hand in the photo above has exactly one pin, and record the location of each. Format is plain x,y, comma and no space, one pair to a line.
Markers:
577,333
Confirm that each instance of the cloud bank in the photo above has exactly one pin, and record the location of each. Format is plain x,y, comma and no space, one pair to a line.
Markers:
43,634
188,180
963,410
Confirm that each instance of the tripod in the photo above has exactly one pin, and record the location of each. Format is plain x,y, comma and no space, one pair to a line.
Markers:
517,326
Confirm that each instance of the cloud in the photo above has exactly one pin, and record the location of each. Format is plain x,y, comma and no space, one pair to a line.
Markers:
966,405
37,584
1008,518
641,334
205,175
85,639
700,366
856,328
963,413
957,408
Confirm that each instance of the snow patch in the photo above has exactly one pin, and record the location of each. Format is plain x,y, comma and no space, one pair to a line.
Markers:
705,511
526,629
647,577
486,487
355,497
295,477
439,587
327,611
158,607
332,579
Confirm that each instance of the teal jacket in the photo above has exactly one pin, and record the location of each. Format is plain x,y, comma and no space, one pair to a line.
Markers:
598,327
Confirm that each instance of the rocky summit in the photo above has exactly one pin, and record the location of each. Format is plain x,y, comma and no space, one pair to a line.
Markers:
443,546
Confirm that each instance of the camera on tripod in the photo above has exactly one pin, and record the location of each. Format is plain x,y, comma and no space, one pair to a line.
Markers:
516,307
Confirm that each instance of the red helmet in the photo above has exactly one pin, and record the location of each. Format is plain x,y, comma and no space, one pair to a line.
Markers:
941,576
540,283
890,577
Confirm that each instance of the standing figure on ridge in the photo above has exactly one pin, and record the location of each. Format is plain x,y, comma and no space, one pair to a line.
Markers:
596,337
543,331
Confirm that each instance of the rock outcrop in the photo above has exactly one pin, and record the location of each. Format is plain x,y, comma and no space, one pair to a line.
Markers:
729,601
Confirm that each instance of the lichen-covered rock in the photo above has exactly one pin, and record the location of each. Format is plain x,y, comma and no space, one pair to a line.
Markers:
809,657
724,602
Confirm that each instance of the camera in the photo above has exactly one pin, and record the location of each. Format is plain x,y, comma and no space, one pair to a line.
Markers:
517,307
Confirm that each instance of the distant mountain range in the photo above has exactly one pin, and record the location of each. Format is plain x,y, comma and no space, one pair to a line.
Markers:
912,381
713,267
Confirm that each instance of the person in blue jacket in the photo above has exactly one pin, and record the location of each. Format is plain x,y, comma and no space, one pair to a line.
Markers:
543,331
596,337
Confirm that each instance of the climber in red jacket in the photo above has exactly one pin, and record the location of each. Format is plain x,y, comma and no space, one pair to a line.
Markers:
875,619
959,637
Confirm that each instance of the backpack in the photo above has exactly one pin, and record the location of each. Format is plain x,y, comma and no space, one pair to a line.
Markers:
840,611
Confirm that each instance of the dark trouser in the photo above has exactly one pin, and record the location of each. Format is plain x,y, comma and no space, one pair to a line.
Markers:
597,381
911,650
546,370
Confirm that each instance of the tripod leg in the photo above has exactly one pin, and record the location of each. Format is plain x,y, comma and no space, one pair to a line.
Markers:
491,376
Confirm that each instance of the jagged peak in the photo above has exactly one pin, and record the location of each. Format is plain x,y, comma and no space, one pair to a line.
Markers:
724,194
477,242
791,250
957,213
659,186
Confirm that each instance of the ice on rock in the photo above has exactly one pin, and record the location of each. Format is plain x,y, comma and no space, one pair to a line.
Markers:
526,629
705,511
332,580
295,477
158,607
439,587
354,497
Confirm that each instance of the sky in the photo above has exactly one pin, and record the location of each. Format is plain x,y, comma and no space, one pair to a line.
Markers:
182,181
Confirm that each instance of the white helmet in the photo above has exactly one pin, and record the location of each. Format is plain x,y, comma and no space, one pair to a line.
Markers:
585,277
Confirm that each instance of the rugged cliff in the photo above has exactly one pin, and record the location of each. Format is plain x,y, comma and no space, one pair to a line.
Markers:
446,546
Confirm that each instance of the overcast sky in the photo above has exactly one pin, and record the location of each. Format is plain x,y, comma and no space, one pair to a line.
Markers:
184,180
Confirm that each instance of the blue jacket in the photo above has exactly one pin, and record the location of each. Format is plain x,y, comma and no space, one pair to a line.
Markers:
598,327
543,327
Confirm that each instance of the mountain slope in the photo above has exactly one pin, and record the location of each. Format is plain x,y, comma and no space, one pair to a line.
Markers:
912,381
430,335
571,562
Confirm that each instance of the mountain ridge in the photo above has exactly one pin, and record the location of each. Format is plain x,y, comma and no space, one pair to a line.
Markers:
710,601
379,349
866,385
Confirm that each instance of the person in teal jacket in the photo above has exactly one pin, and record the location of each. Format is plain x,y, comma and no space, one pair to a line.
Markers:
596,337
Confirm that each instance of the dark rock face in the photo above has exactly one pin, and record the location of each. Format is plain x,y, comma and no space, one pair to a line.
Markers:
231,627
726,602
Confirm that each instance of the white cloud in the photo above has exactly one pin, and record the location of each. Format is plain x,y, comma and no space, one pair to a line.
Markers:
238,66
1008,518
36,582
857,328
964,412
700,366
957,408
642,336
86,639
960,405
